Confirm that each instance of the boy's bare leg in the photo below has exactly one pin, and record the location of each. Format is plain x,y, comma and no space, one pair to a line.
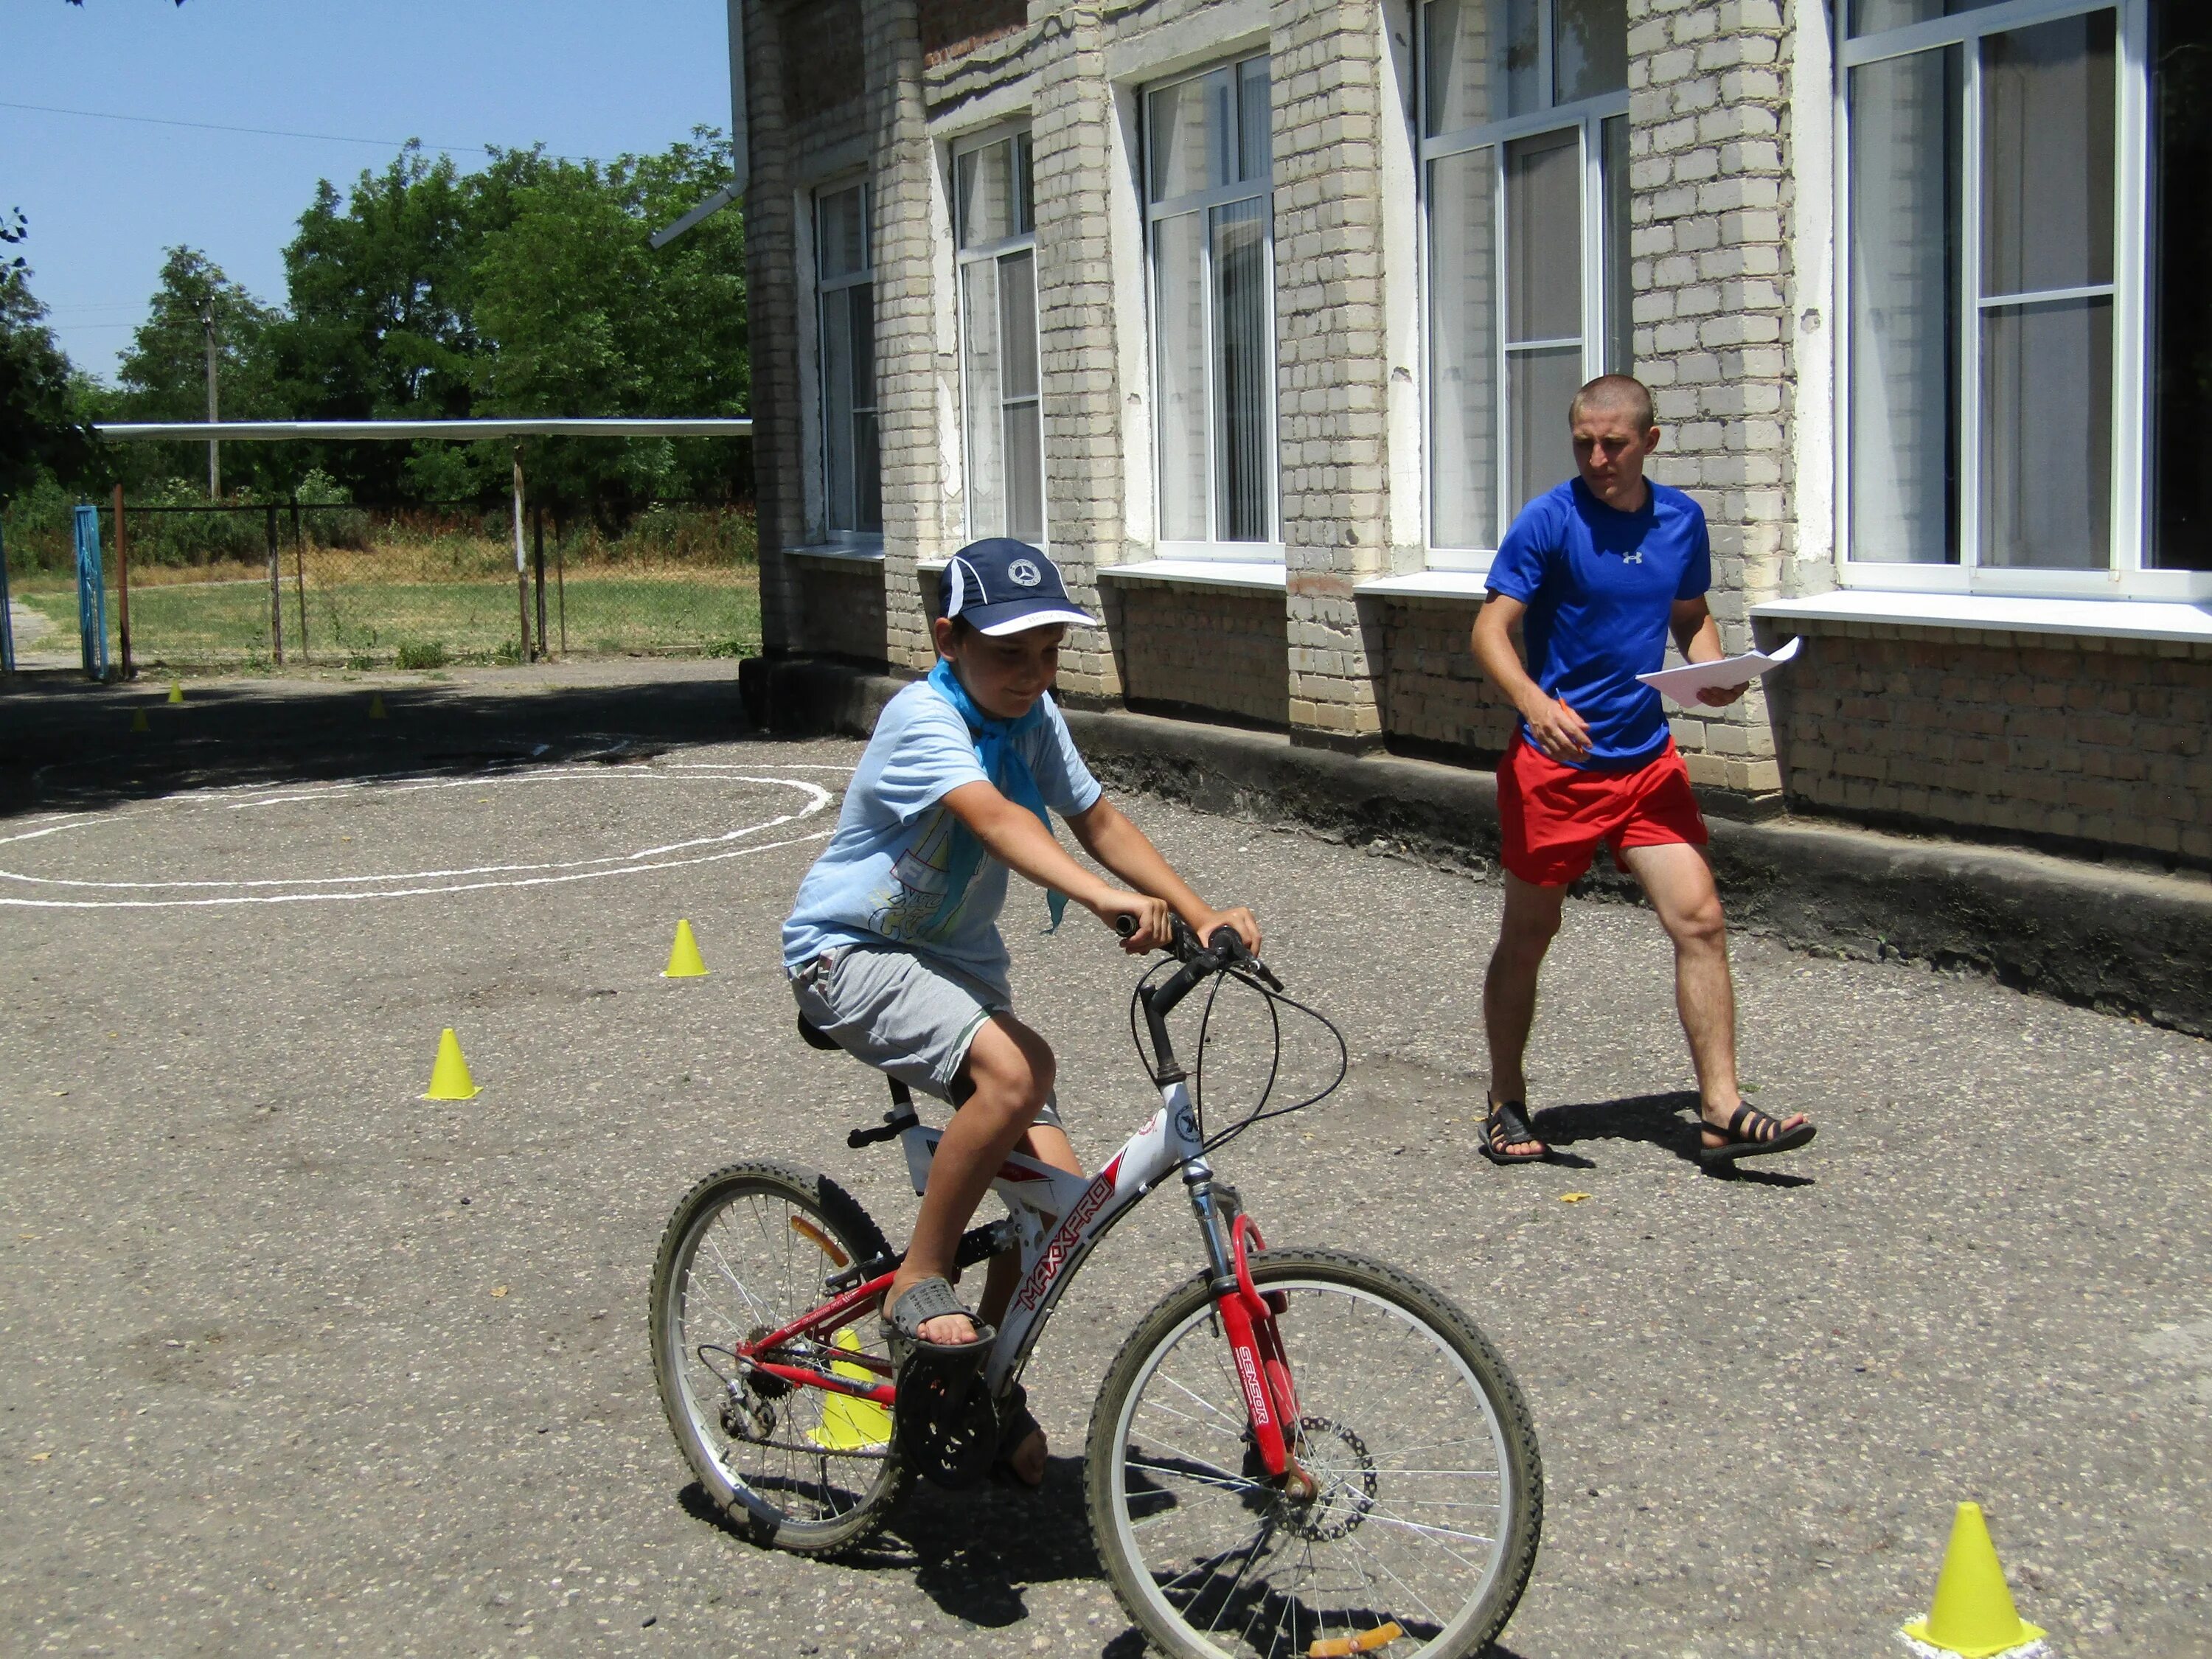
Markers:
1509,989
1679,885
1047,1146
1012,1067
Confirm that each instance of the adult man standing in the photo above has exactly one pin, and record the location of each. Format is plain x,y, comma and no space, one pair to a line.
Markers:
1598,572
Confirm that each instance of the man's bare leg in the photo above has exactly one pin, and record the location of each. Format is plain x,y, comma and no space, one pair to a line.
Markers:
1679,885
1509,989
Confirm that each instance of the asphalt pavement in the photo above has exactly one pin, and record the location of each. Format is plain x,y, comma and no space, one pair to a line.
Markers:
292,1361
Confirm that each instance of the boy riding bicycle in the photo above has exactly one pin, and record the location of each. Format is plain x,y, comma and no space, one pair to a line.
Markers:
893,947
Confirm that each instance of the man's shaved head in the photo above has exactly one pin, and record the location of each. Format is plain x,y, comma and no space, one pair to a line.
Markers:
1622,394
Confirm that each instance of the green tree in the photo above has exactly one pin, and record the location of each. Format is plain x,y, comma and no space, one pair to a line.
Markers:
164,374
42,428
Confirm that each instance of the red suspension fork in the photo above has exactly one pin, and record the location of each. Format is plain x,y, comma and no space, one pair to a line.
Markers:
1263,1370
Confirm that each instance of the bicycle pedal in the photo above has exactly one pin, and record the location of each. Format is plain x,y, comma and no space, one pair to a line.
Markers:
945,1423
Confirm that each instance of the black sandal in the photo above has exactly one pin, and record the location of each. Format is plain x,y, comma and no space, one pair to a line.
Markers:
1508,1125
920,1303
1751,1133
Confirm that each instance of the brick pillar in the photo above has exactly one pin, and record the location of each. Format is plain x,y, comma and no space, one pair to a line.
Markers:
1331,379
773,300
1072,118
1709,100
907,302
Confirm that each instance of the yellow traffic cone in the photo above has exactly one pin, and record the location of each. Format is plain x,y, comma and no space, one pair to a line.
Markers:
449,1075
1973,1616
376,705
684,961
139,722
176,690
850,1424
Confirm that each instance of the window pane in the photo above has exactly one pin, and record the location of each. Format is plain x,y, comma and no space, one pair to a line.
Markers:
2047,138
1544,236
1463,344
868,476
837,407
1017,323
1905,174
1483,62
841,240
2047,445
986,187
1025,473
1620,298
1179,276
2181,360
985,390
1245,366
1542,384
1870,16
1024,186
1254,142
1192,137
1589,48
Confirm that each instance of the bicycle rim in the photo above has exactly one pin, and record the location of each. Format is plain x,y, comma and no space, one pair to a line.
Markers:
747,1253
1428,1492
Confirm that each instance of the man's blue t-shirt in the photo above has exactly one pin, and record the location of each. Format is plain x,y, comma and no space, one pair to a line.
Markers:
882,879
1600,586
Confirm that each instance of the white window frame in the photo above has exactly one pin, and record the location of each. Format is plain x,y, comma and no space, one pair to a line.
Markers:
2132,456
1269,551
1588,116
1020,242
828,534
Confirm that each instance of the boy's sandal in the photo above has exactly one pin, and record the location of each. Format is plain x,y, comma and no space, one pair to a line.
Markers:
1508,1125
922,1301
1016,1426
1751,1133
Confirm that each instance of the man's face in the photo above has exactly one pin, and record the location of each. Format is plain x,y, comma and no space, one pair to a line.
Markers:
1005,673
1610,451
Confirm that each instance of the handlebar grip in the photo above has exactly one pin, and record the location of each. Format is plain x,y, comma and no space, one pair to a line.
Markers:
1227,943
1125,925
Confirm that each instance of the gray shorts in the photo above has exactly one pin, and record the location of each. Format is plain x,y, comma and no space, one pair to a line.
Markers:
901,1012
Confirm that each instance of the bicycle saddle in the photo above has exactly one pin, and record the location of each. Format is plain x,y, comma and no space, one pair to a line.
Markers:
816,1037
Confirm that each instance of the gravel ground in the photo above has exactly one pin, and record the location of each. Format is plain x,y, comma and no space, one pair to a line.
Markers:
292,1361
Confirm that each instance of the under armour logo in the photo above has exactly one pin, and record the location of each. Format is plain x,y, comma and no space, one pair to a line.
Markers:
1636,557
1025,573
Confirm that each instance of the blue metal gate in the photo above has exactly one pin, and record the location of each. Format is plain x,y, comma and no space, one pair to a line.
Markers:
91,594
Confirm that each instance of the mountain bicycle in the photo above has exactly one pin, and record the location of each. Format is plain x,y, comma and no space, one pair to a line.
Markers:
1297,1452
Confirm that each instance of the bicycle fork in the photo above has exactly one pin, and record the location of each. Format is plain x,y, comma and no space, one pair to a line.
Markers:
1247,1321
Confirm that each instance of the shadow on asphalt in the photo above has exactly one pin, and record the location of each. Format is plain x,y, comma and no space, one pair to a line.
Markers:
1668,1122
69,745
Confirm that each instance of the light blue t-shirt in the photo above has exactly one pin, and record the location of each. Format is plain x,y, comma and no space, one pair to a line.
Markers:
882,879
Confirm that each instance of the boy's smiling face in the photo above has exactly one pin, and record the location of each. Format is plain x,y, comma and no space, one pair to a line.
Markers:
1005,673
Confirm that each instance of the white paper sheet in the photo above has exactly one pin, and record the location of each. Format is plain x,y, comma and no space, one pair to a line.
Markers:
1684,684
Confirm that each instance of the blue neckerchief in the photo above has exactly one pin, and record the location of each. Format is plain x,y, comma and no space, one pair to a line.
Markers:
1009,772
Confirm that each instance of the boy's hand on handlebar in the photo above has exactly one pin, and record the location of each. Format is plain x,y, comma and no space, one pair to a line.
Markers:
1150,924
1239,919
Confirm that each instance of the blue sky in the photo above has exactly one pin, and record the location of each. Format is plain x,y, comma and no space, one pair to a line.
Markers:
105,198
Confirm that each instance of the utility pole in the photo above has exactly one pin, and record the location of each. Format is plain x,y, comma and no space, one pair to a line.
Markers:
215,449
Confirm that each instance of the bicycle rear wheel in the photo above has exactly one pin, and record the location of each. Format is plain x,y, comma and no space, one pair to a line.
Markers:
1429,1492
746,1252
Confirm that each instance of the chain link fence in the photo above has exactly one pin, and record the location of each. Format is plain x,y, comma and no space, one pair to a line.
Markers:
268,584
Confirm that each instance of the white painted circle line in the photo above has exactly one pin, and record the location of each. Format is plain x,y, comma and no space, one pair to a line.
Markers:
814,800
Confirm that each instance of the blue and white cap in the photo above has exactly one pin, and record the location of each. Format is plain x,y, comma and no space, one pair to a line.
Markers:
1002,587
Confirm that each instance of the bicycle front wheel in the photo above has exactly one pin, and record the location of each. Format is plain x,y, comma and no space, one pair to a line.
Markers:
745,1253
1428,1492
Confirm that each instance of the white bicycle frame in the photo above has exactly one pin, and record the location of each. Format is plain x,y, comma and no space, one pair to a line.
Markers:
1058,1217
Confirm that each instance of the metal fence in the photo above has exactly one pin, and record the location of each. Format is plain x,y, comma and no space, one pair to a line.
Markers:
271,584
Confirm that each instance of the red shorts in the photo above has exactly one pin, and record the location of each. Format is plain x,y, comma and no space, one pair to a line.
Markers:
1551,817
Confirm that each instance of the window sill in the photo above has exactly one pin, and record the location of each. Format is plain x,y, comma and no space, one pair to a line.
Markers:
1203,573
839,552
2121,619
1430,585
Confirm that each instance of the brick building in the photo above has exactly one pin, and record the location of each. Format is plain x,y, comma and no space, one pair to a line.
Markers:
1263,318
